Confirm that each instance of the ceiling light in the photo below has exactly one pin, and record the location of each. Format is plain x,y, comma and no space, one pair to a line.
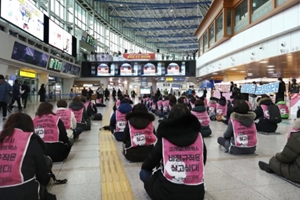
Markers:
249,74
270,69
263,61
233,69
242,71
270,66
171,10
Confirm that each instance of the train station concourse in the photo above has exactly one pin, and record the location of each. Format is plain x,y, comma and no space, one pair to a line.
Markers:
143,99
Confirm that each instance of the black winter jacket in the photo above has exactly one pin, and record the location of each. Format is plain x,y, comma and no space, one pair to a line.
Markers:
180,132
77,105
138,120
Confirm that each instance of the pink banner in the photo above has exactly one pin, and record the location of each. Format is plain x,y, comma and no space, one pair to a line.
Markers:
217,94
294,99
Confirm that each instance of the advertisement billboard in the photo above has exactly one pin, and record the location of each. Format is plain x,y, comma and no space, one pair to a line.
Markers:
24,15
60,38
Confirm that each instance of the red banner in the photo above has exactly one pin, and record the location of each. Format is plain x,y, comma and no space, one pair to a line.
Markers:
139,56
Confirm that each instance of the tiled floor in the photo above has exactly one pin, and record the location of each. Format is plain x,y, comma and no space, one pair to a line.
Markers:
227,177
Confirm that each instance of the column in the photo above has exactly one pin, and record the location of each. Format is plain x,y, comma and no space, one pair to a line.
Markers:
42,79
67,85
154,86
104,82
3,69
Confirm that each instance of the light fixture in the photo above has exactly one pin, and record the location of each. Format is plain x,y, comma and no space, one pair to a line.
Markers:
270,66
242,71
171,10
233,69
249,74
263,61
215,73
270,69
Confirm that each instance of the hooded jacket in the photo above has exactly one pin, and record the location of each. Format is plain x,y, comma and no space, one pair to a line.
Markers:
4,88
264,125
287,162
205,130
123,108
77,105
138,120
246,120
181,132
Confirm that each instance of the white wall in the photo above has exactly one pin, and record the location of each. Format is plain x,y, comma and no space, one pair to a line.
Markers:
263,40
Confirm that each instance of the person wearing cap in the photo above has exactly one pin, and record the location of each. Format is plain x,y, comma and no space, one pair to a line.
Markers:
287,162
281,91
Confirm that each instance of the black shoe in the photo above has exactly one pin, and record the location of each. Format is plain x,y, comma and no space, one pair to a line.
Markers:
264,166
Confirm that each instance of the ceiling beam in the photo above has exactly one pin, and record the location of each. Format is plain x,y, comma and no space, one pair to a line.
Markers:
141,8
154,4
162,28
170,36
151,19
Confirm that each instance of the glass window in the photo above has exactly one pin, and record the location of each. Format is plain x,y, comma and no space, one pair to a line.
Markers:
219,27
229,22
241,16
279,2
200,46
212,35
260,8
205,41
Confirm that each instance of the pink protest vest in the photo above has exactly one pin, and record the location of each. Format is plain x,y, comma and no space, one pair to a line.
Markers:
46,127
153,106
283,109
221,110
159,104
121,121
212,107
244,136
78,115
13,151
65,116
142,137
265,111
202,117
86,105
99,101
183,165
165,105
118,103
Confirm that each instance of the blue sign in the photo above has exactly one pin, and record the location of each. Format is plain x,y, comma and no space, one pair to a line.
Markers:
248,88
260,89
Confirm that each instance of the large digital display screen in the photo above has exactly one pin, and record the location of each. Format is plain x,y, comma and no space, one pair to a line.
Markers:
24,15
139,68
29,55
68,68
145,90
60,38
55,64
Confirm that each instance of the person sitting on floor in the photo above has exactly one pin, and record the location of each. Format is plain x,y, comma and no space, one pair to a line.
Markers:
287,162
221,108
118,119
240,136
83,120
139,134
267,112
25,172
178,139
53,132
68,118
90,107
200,112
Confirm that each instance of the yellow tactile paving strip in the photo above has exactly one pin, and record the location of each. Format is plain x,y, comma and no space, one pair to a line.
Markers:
114,181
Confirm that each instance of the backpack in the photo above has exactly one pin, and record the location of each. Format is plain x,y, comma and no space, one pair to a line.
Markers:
274,113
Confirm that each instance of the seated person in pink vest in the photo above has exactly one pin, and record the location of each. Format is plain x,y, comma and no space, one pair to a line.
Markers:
200,112
240,136
181,152
287,162
139,134
118,102
221,108
118,119
53,132
25,170
68,118
83,120
262,113
89,106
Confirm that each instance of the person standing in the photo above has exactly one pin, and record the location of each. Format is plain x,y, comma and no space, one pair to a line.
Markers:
5,88
84,92
71,94
114,94
16,94
281,91
252,98
294,87
99,92
42,93
90,92
106,94
26,91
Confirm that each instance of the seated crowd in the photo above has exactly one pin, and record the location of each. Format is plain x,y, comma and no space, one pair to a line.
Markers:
173,156
32,145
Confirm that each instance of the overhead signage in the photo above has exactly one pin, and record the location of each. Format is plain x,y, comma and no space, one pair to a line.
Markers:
60,38
169,79
27,74
140,56
68,68
55,64
24,15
